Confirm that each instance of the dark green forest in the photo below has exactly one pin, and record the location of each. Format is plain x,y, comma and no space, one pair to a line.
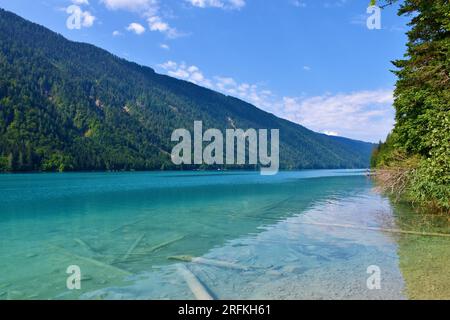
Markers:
415,160
67,106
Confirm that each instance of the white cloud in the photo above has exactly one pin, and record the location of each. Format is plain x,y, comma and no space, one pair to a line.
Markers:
80,2
136,28
88,19
227,85
169,65
330,133
148,9
185,72
156,23
164,46
365,115
299,3
79,18
249,92
131,5
237,3
335,3
116,33
222,4
156,20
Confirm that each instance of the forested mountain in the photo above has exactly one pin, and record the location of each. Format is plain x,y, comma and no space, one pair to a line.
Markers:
72,106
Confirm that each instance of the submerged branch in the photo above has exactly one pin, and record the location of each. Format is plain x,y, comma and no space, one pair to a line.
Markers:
197,288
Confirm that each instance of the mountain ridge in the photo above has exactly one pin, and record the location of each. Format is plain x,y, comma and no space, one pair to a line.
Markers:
66,105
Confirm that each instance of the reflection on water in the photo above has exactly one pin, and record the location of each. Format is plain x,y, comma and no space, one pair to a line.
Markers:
424,261
285,237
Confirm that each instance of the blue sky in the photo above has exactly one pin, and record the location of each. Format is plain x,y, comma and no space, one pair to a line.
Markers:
314,62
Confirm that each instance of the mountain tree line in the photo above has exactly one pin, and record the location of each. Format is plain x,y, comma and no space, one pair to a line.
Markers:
72,106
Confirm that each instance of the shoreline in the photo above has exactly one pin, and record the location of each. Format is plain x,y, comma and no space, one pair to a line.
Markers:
162,171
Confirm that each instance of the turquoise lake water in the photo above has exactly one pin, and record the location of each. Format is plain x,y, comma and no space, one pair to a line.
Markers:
280,237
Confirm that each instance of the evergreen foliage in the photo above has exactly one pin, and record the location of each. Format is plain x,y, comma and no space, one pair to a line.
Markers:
422,103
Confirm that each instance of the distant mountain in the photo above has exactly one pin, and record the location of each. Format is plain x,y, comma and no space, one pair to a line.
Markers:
72,106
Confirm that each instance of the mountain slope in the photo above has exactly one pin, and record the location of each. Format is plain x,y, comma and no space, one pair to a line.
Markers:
72,106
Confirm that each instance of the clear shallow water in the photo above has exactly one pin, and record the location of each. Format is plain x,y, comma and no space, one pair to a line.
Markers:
121,229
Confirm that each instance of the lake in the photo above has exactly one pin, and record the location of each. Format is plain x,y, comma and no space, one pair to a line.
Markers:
315,234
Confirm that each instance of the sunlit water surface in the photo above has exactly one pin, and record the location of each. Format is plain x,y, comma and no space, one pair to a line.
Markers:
297,235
